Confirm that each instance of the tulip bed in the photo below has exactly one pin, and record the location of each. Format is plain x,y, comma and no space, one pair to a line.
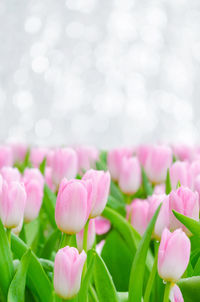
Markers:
83,225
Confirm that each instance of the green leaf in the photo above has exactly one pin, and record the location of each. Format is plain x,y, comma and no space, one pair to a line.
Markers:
116,204
138,267
190,288
103,282
37,280
148,189
43,166
192,225
115,192
49,203
123,296
82,295
118,264
100,165
51,244
6,264
168,186
17,287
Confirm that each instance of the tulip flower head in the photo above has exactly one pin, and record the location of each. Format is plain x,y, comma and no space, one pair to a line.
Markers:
186,202
68,269
173,255
12,203
138,213
100,189
73,205
159,159
175,294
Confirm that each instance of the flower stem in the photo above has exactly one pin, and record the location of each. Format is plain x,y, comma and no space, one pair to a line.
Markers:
152,275
167,292
85,236
8,233
64,241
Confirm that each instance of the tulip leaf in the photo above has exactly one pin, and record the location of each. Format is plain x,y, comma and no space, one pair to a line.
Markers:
103,282
43,166
118,264
17,287
148,189
115,192
192,225
49,203
130,235
138,266
123,296
37,280
6,264
117,205
51,244
168,186
83,293
190,288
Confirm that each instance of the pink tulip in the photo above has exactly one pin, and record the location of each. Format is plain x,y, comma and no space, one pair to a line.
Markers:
173,255
138,213
142,153
73,205
18,229
159,189
19,151
68,269
12,203
197,185
130,176
90,236
114,160
37,155
194,172
162,221
186,202
102,225
48,179
6,156
87,157
159,159
100,189
64,164
175,294
10,174
183,152
180,172
34,183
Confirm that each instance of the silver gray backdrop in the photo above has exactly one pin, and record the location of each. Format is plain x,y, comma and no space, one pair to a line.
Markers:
103,72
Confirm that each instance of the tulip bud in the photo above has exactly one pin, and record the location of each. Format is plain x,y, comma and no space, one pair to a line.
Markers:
186,202
183,152
130,175
159,189
158,161
102,225
18,229
142,153
19,152
114,160
10,174
173,255
162,221
73,205
34,184
68,269
175,294
64,164
90,236
12,203
37,155
100,189
6,156
180,172
87,157
138,213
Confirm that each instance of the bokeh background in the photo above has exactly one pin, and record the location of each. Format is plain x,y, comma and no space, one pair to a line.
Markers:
102,72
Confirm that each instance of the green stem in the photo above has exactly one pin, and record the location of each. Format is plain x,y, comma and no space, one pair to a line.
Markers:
9,235
64,241
22,234
152,275
167,292
85,236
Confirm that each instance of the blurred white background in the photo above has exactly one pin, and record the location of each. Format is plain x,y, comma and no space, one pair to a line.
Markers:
103,72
